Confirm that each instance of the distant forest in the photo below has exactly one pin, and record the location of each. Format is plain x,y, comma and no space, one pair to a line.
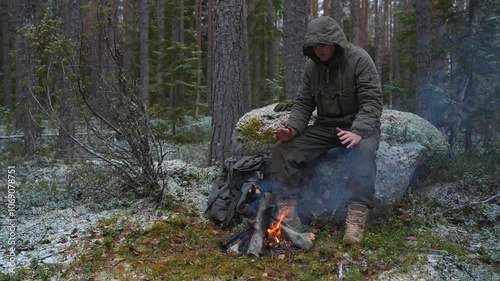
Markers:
123,63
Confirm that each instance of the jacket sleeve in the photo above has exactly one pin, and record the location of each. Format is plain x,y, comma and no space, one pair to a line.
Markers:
305,102
369,97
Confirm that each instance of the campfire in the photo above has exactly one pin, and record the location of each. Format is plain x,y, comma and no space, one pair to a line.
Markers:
267,234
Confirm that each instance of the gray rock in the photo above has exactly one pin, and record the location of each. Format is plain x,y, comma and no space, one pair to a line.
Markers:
407,141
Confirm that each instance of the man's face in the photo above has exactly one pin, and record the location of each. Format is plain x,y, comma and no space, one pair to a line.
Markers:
324,52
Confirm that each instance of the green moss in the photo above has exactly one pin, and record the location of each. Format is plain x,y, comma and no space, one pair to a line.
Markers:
187,248
250,129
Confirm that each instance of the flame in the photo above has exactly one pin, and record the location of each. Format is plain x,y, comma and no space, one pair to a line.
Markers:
274,230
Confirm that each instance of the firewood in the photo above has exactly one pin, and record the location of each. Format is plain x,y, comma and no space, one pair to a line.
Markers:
260,224
302,241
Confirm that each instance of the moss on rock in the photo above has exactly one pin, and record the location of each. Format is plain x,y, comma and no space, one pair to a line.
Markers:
401,127
253,131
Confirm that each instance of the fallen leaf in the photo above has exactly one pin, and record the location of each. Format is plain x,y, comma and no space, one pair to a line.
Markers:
403,217
134,250
403,206
181,235
155,241
62,247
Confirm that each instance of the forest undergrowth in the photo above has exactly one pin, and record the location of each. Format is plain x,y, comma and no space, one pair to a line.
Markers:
446,228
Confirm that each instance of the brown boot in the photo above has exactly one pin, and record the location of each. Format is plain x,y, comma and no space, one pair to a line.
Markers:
355,223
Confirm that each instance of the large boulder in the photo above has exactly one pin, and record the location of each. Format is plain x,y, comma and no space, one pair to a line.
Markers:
407,141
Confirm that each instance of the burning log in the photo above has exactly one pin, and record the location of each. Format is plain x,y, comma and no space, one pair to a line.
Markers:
303,241
254,239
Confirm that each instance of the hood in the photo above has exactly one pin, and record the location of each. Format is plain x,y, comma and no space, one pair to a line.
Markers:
326,31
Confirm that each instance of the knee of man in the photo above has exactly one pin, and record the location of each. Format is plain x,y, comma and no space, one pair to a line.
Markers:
367,145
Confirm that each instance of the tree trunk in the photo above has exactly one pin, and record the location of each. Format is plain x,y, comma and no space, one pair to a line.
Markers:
378,38
161,50
363,23
246,95
70,13
326,7
423,60
26,104
128,31
144,52
272,49
337,11
6,66
314,8
210,56
294,27
354,22
227,76
197,19
474,10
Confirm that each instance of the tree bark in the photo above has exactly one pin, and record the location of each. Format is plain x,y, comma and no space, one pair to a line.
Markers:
210,56
423,60
272,49
246,96
337,11
473,9
6,66
161,51
314,8
128,31
70,13
326,7
144,52
28,111
378,38
227,76
294,27
354,22
198,57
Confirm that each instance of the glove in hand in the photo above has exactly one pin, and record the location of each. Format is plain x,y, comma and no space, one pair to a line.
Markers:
285,105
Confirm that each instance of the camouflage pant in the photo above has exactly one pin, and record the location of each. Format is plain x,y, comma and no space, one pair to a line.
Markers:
290,157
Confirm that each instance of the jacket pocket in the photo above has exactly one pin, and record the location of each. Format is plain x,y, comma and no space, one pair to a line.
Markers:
348,101
337,102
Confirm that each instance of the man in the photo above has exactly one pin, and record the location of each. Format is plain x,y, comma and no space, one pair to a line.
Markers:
340,81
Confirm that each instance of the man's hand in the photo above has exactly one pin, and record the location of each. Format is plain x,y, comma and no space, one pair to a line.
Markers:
283,134
348,138
285,105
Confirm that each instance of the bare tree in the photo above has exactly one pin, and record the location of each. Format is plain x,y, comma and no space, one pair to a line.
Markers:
294,27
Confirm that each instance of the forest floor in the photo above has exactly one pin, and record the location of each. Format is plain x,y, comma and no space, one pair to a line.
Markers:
67,229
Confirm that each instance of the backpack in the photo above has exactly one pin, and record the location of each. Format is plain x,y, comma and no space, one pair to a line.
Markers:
236,189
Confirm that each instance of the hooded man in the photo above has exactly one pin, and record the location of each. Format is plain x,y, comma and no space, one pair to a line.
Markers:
340,81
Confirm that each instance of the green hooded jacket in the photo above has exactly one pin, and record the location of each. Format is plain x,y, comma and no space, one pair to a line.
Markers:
346,90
